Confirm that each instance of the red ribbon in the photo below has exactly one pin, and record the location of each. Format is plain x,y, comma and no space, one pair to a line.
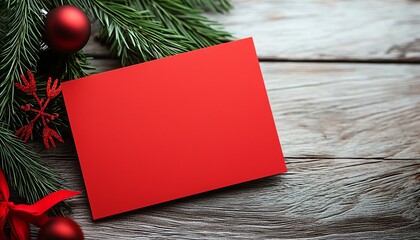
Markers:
20,215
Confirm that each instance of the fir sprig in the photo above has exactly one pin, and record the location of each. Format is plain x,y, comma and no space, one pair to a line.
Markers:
19,50
130,34
24,168
185,21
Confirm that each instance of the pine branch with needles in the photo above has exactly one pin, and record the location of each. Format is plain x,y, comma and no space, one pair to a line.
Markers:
185,21
19,50
25,169
130,34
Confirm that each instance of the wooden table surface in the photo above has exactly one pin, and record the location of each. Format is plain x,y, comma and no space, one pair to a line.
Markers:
343,78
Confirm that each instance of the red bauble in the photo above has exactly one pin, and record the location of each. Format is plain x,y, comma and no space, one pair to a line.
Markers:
67,29
60,228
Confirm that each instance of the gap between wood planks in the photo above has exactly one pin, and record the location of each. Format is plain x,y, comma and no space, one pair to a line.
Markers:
268,59
344,158
374,61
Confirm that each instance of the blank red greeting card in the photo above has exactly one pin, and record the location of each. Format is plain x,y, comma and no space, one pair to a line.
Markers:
173,127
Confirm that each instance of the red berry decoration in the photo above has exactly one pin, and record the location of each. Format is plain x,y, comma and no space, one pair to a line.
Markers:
60,228
67,29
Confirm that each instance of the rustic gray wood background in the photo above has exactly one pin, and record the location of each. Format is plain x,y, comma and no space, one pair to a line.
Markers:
343,78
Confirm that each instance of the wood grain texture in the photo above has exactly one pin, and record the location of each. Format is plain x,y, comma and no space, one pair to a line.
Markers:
358,30
342,110
317,198
346,110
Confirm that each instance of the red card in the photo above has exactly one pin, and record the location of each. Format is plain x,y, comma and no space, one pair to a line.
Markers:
173,127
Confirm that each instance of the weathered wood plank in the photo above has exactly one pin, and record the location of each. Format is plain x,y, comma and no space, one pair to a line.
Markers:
359,30
346,110
342,110
319,198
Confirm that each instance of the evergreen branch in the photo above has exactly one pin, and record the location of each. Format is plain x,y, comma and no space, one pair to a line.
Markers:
184,20
19,50
25,170
130,34
220,6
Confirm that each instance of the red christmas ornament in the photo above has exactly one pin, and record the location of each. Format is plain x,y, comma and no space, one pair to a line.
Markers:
60,228
67,29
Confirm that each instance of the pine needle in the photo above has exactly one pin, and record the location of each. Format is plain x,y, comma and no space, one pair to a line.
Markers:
185,21
25,170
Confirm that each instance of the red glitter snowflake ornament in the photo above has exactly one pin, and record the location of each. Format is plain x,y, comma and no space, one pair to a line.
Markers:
29,87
